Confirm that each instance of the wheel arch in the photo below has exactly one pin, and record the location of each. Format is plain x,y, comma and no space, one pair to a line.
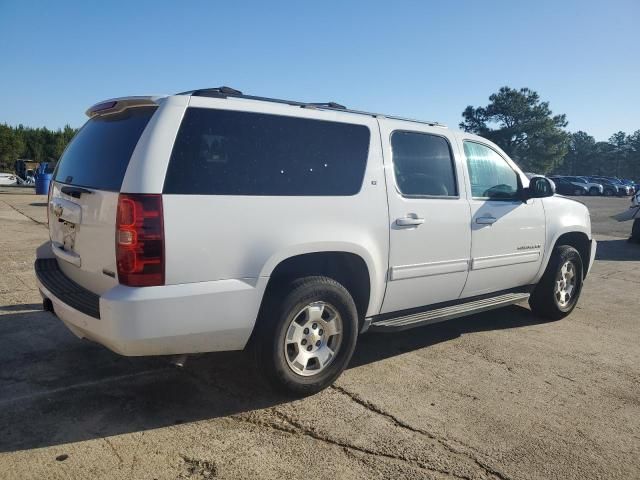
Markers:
346,267
577,239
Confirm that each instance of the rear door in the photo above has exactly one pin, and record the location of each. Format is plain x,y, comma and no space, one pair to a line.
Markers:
430,238
84,196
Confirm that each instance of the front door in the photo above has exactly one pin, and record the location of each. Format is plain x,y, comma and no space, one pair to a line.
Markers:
507,234
430,238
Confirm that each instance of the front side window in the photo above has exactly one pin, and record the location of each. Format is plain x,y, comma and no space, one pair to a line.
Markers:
223,152
423,165
490,175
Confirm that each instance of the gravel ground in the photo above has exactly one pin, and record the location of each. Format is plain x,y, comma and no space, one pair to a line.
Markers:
501,395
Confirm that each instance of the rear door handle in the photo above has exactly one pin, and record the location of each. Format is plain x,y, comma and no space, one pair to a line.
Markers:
486,220
409,221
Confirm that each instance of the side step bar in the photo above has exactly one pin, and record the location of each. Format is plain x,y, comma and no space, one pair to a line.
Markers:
446,313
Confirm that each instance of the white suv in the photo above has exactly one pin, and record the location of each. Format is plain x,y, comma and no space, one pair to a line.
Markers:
212,220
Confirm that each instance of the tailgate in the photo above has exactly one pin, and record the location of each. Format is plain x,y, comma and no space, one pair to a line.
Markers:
83,235
84,196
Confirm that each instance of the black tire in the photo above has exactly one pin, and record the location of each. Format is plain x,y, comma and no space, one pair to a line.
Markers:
635,231
543,301
608,193
279,310
593,191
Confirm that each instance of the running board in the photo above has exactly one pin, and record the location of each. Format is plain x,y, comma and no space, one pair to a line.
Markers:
446,313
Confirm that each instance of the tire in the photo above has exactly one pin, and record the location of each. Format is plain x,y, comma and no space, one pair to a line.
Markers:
291,321
635,231
545,301
593,191
608,193
577,192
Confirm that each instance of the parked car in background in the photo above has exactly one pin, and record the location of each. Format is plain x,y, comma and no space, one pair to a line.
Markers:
594,188
565,187
623,188
8,179
610,188
632,213
631,183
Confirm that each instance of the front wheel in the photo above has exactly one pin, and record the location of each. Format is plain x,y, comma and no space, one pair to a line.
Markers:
557,293
305,339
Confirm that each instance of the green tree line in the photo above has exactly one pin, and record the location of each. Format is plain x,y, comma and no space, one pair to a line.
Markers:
527,130
517,120
38,144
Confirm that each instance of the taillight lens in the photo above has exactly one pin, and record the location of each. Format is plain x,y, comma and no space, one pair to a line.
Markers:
140,240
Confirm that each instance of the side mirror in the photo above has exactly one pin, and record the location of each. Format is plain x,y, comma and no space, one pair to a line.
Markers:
539,187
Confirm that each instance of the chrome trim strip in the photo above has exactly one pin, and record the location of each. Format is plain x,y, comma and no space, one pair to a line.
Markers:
402,272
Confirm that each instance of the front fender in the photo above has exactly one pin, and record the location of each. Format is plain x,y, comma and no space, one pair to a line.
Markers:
563,216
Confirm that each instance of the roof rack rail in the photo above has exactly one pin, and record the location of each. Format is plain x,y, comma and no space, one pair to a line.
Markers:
224,92
328,105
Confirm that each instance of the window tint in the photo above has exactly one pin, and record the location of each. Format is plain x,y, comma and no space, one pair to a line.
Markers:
423,164
221,152
99,154
490,174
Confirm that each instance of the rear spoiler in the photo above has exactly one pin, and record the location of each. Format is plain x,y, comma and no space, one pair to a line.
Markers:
117,105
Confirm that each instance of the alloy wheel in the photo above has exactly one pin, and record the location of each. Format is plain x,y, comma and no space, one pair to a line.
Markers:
313,339
566,282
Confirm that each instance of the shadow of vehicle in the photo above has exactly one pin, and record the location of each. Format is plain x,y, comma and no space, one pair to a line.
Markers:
38,204
56,389
618,251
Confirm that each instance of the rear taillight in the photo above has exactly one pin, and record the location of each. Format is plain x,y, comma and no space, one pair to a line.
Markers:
140,240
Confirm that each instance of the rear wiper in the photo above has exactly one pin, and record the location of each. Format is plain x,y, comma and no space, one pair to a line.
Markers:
75,192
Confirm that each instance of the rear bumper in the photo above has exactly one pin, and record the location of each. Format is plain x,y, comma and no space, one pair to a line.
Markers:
166,320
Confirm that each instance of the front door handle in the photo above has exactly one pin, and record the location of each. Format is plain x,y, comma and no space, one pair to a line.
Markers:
486,220
409,221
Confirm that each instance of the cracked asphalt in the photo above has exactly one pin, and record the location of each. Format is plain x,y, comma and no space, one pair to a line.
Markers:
501,395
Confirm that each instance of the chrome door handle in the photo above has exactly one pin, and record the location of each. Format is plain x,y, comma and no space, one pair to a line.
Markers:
409,221
486,220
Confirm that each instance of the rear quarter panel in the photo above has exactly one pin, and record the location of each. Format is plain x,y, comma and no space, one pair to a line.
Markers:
218,237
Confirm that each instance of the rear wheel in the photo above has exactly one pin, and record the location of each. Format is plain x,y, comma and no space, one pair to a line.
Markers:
594,191
305,339
557,293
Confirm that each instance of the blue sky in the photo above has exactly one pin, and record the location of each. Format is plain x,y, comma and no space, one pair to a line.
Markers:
419,59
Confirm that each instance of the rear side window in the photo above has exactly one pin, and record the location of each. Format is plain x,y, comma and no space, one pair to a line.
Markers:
222,152
99,154
423,165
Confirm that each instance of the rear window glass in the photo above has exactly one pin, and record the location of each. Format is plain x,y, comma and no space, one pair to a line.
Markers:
423,165
99,154
222,152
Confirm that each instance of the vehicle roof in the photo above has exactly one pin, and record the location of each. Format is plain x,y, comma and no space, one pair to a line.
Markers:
227,92
117,104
